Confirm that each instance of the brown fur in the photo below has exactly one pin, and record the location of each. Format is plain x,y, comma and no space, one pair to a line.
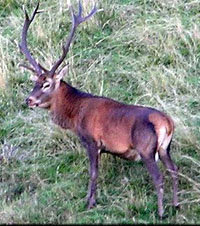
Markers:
104,119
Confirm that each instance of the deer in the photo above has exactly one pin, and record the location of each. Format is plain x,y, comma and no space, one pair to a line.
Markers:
102,124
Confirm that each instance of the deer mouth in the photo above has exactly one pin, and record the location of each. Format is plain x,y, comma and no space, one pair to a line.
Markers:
33,105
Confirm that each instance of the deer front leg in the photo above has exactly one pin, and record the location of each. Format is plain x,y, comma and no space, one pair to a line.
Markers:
91,197
93,154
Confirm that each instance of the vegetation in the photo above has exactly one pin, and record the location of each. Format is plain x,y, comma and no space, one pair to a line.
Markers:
141,52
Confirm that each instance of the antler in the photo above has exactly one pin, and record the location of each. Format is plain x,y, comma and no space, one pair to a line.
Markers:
76,20
23,45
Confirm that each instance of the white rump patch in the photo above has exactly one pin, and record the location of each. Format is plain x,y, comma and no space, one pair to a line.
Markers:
156,156
161,136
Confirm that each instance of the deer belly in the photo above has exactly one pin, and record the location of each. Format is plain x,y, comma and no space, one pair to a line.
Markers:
116,144
122,150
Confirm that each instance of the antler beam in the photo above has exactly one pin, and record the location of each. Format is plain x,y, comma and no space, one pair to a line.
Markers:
23,45
76,20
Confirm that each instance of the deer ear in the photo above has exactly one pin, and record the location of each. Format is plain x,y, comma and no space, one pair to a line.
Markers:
61,73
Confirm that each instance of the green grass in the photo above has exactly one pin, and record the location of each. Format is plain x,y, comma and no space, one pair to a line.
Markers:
140,52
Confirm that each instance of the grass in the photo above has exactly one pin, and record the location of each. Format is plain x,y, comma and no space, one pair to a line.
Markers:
141,52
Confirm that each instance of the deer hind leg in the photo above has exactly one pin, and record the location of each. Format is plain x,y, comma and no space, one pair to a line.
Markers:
164,154
147,150
157,181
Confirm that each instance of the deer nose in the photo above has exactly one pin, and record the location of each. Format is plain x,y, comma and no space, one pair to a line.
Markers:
30,101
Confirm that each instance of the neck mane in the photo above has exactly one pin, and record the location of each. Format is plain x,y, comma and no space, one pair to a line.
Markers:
66,105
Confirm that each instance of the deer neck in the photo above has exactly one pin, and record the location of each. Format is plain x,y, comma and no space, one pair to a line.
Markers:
65,106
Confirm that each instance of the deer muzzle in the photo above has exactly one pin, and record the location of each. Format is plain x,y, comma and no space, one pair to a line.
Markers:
32,102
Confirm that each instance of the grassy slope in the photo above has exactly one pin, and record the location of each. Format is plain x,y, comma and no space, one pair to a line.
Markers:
143,52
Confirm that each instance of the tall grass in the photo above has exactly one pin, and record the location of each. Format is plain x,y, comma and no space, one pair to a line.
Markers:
139,52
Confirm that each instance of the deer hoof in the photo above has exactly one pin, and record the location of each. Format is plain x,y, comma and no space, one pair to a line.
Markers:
163,217
177,206
91,204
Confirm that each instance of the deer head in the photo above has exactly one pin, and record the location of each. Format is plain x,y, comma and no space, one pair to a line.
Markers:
48,81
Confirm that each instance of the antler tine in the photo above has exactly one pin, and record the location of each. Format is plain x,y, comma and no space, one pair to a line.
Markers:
80,9
23,45
76,20
27,67
82,19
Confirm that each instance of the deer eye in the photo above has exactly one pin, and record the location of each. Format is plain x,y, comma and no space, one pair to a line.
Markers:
46,86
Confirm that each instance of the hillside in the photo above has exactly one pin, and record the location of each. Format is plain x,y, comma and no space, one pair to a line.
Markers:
139,52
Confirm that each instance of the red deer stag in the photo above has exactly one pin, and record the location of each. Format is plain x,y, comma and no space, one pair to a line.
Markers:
102,124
